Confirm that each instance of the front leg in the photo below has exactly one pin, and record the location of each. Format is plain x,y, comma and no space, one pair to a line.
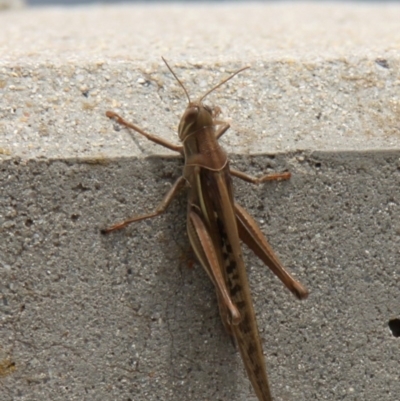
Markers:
151,137
222,130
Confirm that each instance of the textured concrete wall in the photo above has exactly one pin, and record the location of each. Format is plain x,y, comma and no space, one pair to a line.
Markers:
123,317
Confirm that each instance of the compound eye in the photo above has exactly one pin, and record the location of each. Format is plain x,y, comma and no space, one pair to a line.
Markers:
191,114
208,108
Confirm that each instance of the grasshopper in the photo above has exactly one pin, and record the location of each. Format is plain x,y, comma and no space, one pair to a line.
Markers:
216,224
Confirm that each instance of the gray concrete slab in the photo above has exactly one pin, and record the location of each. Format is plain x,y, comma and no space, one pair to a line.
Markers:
123,316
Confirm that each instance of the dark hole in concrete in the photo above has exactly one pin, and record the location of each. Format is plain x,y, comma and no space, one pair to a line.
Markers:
317,165
75,217
394,326
28,222
382,62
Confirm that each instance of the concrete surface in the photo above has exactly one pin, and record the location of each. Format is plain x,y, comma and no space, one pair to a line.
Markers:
123,317
7,4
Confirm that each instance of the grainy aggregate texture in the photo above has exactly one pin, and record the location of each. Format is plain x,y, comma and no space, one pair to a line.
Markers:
7,4
128,316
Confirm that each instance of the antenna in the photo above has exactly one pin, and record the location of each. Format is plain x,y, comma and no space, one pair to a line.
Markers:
180,83
222,82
